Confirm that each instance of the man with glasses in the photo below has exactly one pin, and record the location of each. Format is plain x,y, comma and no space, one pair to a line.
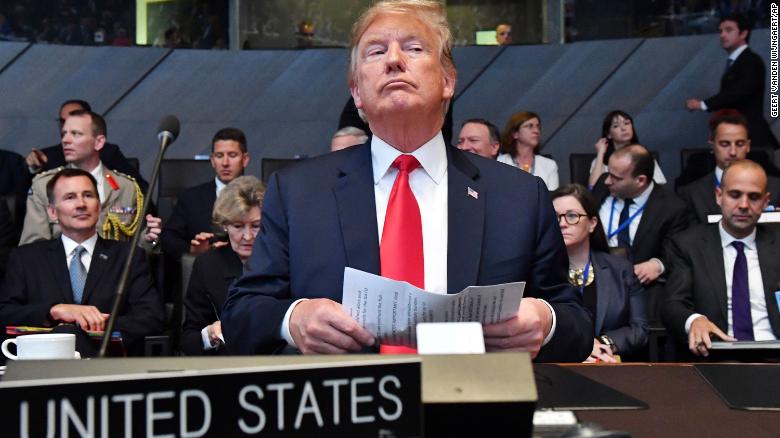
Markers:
51,157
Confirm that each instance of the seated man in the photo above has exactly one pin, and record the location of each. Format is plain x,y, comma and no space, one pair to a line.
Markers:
405,206
480,137
83,137
638,215
346,137
71,279
730,141
723,277
52,157
190,228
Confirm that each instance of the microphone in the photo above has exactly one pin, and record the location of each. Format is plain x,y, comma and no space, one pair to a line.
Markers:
168,130
166,134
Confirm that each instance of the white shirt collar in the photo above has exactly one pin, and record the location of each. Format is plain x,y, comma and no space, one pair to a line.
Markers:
642,199
718,173
432,157
726,239
71,244
220,185
738,51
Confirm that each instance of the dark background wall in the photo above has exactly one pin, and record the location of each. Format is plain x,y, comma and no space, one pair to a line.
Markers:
288,101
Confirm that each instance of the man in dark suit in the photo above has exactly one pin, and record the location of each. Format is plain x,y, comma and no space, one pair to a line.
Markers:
742,83
730,142
52,157
71,279
638,215
190,228
14,181
724,277
482,222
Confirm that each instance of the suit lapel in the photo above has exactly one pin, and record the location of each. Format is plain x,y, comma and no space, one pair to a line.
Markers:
768,256
100,261
649,214
59,267
604,285
354,192
712,254
465,221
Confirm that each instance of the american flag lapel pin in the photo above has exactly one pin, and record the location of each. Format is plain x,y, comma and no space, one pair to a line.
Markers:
471,192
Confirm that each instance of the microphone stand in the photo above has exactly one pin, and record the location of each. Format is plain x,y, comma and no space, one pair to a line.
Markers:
122,285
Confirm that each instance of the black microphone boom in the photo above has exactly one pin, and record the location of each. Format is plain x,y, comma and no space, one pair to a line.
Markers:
166,134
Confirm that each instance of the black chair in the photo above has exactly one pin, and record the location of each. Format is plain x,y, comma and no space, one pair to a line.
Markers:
579,168
134,163
177,175
270,165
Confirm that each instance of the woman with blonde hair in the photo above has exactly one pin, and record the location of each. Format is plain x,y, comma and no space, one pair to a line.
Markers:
237,212
520,146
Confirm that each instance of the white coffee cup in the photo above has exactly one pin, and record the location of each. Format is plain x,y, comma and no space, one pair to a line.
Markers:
42,346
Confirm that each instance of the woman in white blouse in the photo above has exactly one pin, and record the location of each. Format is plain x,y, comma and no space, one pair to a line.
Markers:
520,146
617,131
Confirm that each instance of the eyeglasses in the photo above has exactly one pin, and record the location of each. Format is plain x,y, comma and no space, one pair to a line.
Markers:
571,217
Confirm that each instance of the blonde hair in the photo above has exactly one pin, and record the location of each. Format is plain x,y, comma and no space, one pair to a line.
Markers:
431,13
237,198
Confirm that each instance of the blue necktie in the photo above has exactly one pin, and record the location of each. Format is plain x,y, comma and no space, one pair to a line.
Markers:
624,237
740,296
78,274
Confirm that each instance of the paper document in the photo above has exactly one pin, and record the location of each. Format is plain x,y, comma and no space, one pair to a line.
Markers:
391,309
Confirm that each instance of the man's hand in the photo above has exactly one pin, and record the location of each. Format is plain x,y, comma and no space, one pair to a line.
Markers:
214,332
647,272
525,332
153,228
321,326
693,104
200,243
89,318
699,341
600,353
35,159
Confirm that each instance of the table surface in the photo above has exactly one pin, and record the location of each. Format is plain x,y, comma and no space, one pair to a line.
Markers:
682,404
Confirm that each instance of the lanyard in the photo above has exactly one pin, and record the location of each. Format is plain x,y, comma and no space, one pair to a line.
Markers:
585,276
620,228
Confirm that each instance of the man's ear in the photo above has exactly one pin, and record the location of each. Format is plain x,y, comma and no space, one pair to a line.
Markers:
353,90
100,141
718,195
51,212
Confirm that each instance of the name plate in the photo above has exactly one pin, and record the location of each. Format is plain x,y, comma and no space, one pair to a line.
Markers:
367,398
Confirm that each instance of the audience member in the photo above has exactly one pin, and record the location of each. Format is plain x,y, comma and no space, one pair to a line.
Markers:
190,227
742,82
83,136
723,277
53,156
617,131
480,137
520,146
638,215
237,211
71,279
730,141
504,34
14,181
346,137
311,232
607,284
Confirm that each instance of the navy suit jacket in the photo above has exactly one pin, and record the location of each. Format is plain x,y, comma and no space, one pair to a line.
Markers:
697,279
320,216
192,215
621,305
37,278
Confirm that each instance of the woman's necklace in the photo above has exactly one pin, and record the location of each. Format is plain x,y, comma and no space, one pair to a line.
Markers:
576,276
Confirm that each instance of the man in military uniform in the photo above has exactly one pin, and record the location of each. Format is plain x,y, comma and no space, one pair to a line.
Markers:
83,136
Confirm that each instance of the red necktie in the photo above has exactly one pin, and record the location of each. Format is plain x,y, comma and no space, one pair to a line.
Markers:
401,249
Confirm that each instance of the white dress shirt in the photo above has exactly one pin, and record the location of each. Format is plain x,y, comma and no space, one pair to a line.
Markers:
762,330
101,180
220,185
733,57
608,208
86,256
